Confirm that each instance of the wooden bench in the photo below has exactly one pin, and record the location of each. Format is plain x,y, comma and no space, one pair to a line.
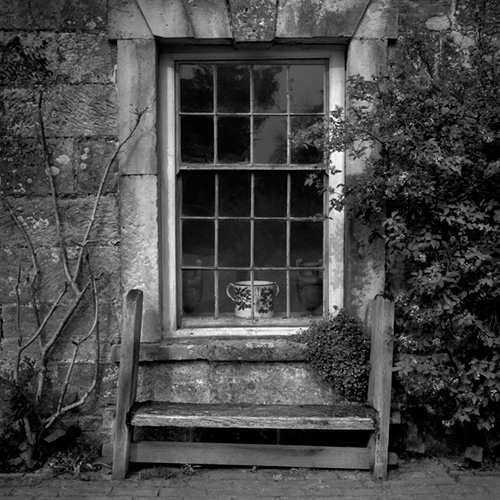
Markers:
373,418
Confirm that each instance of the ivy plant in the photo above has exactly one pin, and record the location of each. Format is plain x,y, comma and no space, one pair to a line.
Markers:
339,351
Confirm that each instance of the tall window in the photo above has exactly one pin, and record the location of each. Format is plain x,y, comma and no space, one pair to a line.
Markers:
251,236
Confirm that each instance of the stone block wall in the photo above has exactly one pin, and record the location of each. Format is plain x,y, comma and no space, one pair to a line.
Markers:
61,48
58,50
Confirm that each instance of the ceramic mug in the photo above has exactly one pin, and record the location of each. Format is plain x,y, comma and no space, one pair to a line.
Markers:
263,294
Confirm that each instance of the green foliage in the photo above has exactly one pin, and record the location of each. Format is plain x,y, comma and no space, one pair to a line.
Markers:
431,191
339,350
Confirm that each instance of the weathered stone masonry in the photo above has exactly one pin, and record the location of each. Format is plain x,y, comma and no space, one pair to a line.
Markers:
98,63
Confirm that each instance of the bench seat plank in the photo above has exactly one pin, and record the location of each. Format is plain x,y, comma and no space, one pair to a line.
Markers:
329,417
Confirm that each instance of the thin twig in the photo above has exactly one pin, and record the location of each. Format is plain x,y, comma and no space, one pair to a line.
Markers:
17,360
48,170
36,270
76,301
105,174
50,344
47,317
94,327
23,232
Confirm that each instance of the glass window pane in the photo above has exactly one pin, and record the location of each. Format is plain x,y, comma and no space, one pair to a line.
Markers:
269,88
303,154
234,194
198,193
197,291
306,88
306,201
198,243
233,88
233,142
197,88
307,290
269,139
197,139
234,243
277,280
270,243
270,194
306,241
226,278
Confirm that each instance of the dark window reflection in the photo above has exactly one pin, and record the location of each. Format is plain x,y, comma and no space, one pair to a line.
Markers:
306,241
303,154
270,139
234,194
306,201
196,88
270,243
197,291
269,88
197,242
198,193
233,141
306,88
270,194
234,243
197,139
233,88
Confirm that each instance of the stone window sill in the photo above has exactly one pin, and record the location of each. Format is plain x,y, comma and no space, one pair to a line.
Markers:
270,349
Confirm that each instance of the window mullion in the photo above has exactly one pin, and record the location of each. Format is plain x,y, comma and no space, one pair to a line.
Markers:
216,131
288,249
252,238
216,249
288,119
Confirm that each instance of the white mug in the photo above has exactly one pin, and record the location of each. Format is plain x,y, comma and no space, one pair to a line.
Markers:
263,295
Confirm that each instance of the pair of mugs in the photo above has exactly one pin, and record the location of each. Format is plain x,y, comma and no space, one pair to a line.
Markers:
253,299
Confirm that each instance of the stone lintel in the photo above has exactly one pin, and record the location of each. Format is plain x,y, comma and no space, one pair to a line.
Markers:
253,21
167,18
209,19
319,18
380,21
137,62
126,21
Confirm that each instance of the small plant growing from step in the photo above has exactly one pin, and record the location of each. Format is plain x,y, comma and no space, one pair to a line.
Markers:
339,351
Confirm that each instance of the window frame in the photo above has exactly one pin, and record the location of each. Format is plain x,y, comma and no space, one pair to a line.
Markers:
168,196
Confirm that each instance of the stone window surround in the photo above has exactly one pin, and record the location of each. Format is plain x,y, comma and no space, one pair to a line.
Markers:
167,168
138,45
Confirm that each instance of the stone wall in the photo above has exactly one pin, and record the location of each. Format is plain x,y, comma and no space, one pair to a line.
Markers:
61,48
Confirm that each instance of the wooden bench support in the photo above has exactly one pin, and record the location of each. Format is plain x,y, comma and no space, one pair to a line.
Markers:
373,419
380,384
127,381
271,455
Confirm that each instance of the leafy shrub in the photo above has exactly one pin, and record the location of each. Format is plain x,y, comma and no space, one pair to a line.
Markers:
339,350
431,191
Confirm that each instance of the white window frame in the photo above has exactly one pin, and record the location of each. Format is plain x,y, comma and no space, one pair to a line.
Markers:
167,145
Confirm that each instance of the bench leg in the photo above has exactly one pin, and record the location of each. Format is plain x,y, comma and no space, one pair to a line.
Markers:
121,450
127,382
